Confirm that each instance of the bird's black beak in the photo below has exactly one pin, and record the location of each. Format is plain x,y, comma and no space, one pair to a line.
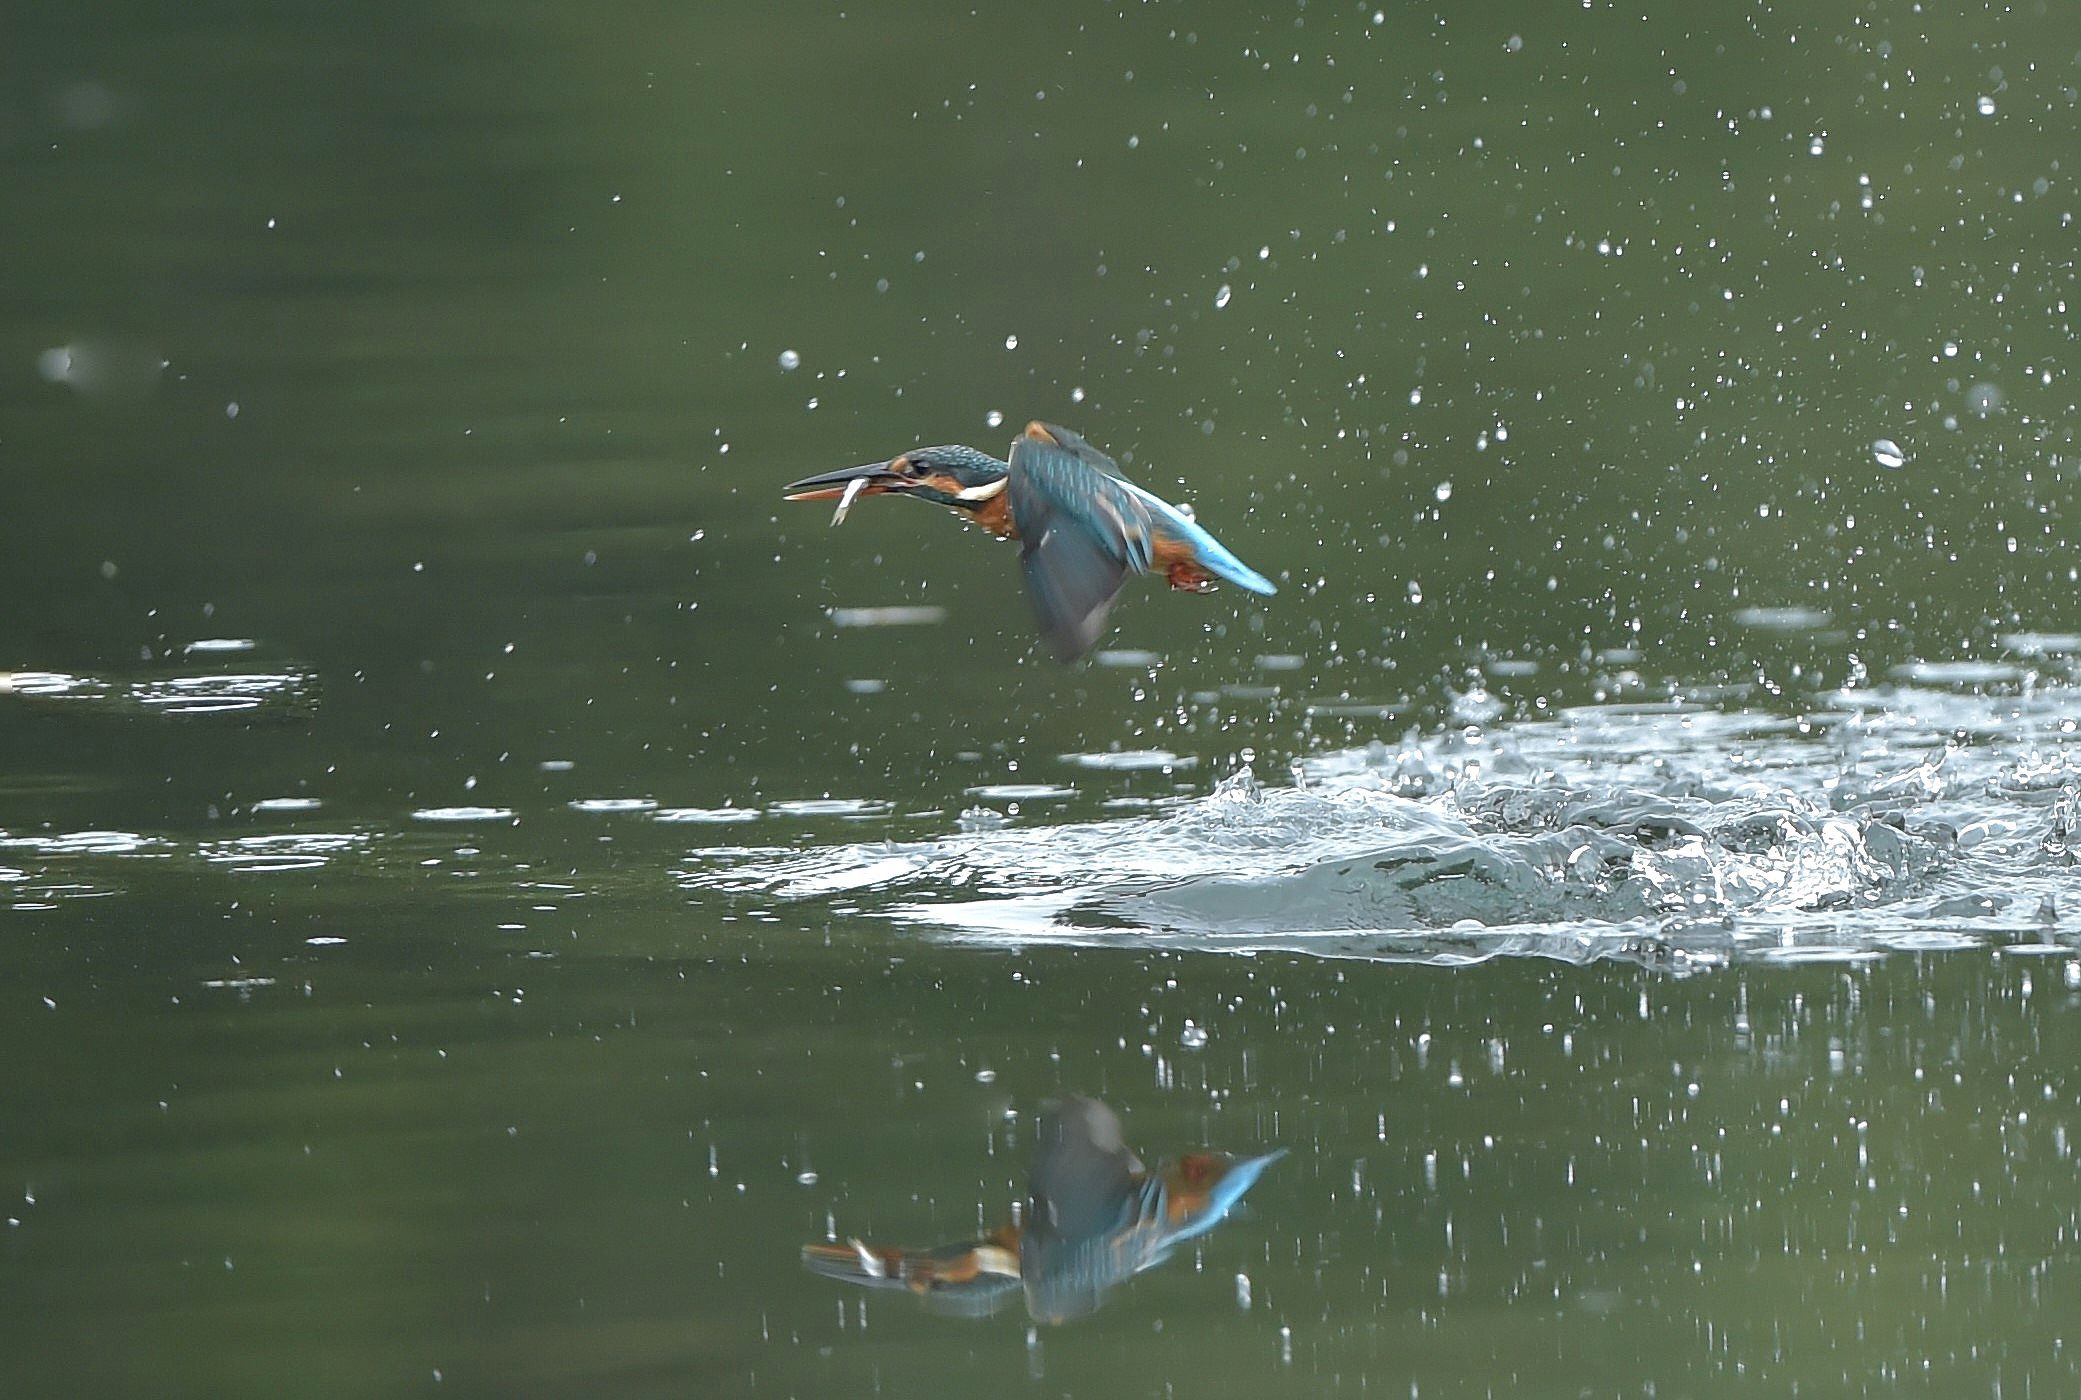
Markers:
874,478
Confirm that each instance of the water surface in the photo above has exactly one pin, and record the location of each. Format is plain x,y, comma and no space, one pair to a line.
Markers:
484,881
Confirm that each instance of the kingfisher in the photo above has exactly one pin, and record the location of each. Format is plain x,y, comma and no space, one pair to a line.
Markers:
1082,527
1095,1217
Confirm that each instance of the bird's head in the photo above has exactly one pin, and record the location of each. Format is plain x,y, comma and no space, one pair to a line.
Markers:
952,475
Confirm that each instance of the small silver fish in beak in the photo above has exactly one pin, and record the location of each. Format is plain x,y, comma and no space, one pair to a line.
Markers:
870,1262
853,489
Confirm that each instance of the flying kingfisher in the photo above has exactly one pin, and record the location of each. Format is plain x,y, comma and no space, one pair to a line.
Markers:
1082,527
1095,1217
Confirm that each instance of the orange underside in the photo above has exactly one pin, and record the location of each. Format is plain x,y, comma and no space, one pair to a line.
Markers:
1173,559
1170,557
995,515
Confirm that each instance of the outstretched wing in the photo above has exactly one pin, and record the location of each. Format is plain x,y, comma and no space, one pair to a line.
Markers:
1073,443
1083,1206
1172,532
1082,531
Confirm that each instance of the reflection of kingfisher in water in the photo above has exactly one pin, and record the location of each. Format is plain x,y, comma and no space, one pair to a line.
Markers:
1082,527
1095,1216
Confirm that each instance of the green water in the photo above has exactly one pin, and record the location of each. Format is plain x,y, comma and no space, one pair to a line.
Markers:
424,364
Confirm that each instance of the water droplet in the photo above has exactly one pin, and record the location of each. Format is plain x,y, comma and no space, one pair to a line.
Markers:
805,1178
1443,491
1221,298
790,361
1011,342
1983,398
994,418
1986,106
1194,1037
1886,452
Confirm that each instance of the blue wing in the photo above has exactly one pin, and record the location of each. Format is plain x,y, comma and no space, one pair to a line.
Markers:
1163,517
1081,533
1083,1198
1083,529
1073,443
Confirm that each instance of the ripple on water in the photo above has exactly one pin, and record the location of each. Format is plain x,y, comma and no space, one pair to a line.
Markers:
465,814
1131,761
276,852
287,692
52,685
204,695
2042,643
1789,619
1819,953
713,816
613,805
850,807
897,616
1965,673
1932,941
85,843
1355,709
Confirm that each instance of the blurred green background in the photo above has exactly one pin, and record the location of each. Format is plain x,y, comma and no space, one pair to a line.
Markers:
1564,354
